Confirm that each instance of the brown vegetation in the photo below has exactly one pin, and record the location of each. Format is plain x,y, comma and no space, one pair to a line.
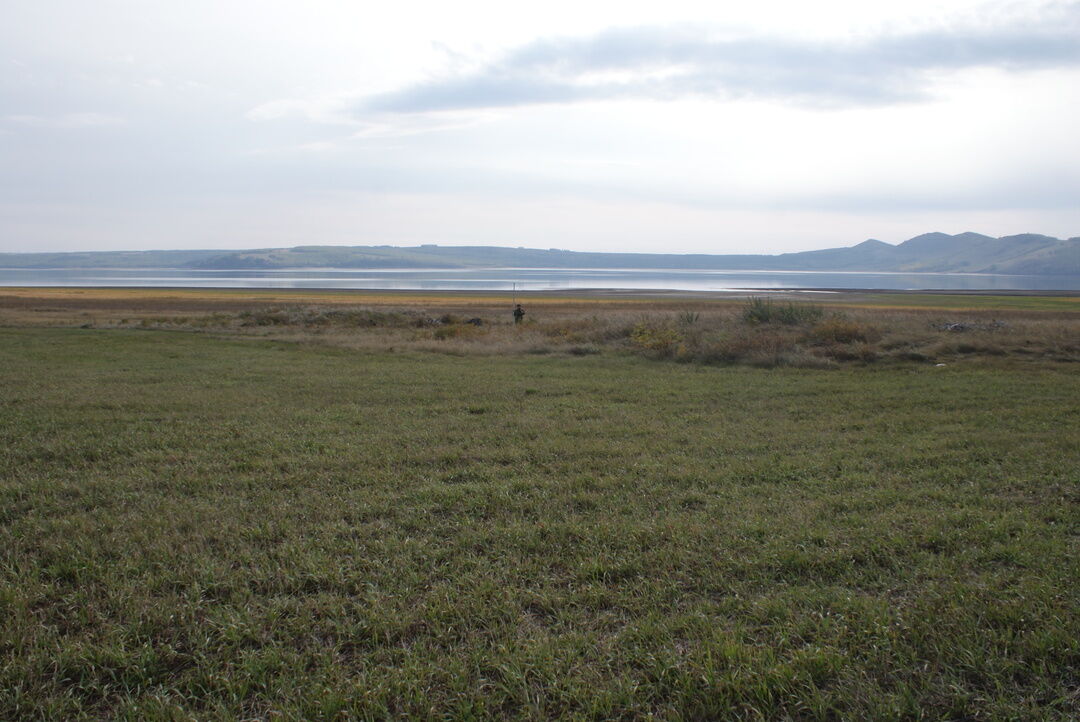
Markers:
709,330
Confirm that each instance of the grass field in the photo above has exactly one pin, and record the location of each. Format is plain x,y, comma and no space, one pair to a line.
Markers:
207,523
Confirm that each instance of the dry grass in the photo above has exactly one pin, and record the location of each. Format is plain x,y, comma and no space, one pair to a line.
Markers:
709,330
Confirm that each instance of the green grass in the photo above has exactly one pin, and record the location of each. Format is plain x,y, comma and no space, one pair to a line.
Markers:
193,527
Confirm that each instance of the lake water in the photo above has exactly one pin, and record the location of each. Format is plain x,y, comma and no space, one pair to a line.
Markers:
529,279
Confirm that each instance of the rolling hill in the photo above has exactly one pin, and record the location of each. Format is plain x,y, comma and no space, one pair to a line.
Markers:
1027,254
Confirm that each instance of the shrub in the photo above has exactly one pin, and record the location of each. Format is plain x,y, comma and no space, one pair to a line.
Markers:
442,333
973,346
763,310
570,330
662,340
839,330
761,347
322,317
267,317
851,352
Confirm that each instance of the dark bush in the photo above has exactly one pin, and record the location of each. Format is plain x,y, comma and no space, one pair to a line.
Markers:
763,310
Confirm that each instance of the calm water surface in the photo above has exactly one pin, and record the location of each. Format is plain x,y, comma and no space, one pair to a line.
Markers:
528,279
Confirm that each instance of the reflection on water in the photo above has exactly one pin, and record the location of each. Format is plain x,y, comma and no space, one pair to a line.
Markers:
530,279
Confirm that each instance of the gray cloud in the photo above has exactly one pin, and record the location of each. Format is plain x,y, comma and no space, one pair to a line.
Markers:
669,63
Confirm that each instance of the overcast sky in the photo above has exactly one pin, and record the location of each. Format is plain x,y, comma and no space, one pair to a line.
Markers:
614,126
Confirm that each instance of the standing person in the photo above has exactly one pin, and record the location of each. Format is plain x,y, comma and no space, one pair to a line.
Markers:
519,313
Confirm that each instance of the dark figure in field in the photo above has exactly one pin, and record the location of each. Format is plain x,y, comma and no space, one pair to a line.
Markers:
519,313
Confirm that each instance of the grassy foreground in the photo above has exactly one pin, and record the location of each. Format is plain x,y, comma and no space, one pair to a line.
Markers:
195,527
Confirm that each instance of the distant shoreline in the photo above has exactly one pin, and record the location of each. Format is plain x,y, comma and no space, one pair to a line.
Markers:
552,293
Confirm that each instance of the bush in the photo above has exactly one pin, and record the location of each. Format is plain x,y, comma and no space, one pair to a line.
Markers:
322,317
761,348
570,330
442,333
763,310
838,330
851,352
267,317
662,340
